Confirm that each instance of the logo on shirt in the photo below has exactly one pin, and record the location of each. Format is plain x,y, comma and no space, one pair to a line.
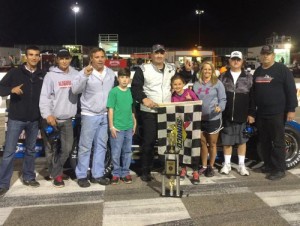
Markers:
65,84
264,79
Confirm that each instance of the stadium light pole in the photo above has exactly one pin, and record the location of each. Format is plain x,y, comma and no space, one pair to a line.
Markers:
199,12
75,9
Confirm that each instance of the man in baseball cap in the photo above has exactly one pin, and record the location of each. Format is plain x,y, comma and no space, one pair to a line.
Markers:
158,48
267,49
63,53
236,54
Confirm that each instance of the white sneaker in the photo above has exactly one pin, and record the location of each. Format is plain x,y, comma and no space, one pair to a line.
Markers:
243,171
226,168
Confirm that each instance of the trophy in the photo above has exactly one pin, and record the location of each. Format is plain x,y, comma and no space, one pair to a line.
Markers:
175,143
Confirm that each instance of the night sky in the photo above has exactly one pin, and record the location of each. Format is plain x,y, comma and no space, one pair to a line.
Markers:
225,23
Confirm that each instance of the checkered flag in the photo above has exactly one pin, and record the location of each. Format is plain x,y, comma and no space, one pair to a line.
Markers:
190,113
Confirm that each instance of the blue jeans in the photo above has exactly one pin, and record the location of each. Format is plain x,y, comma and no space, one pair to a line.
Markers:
14,129
94,130
121,152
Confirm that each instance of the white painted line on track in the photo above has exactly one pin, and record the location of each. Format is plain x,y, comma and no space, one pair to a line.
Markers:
4,214
144,212
279,198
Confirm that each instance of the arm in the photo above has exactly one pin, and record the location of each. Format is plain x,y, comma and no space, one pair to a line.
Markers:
6,86
138,91
193,95
112,129
80,81
221,97
46,101
134,124
291,95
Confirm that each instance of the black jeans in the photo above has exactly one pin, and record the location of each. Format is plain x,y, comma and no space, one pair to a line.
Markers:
149,122
271,136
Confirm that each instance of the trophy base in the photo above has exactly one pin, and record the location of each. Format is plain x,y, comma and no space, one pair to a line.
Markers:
167,195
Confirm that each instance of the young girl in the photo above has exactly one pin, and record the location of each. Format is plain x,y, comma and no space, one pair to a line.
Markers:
180,95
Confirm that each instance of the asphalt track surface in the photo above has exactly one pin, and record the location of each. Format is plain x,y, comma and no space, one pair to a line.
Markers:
220,200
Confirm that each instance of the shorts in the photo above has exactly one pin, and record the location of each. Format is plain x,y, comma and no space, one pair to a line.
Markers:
233,133
211,127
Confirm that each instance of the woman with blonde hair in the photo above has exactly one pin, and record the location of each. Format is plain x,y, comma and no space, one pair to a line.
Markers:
212,93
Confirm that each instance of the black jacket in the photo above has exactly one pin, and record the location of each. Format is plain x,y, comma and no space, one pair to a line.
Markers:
23,107
239,104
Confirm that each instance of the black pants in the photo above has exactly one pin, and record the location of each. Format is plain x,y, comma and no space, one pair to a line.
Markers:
149,122
271,136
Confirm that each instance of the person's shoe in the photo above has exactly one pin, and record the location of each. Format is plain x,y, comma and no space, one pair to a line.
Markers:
32,183
100,180
83,183
195,179
146,177
276,175
3,191
65,177
183,173
127,179
209,172
202,170
115,180
243,171
226,168
58,182
263,169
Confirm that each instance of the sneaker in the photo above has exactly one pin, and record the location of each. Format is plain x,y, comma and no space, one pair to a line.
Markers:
183,173
115,180
58,182
3,191
195,179
32,183
146,177
209,172
202,170
243,171
226,168
83,183
65,177
127,179
276,175
100,180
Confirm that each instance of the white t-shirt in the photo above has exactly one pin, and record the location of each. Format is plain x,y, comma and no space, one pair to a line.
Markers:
235,76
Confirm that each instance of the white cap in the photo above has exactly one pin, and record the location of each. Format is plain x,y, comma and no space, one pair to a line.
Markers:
236,54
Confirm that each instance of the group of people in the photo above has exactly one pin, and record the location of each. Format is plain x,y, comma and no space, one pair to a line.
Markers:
108,112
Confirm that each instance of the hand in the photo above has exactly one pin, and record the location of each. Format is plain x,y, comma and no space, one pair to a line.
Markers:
51,120
290,116
113,132
217,109
88,70
250,119
149,103
17,90
133,129
188,97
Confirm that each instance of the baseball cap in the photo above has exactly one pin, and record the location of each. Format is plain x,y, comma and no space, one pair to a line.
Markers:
267,49
63,53
236,54
158,47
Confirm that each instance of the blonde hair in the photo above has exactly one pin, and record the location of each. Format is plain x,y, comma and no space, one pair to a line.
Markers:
214,77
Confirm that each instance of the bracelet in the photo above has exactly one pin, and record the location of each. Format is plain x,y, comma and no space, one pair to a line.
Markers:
112,128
